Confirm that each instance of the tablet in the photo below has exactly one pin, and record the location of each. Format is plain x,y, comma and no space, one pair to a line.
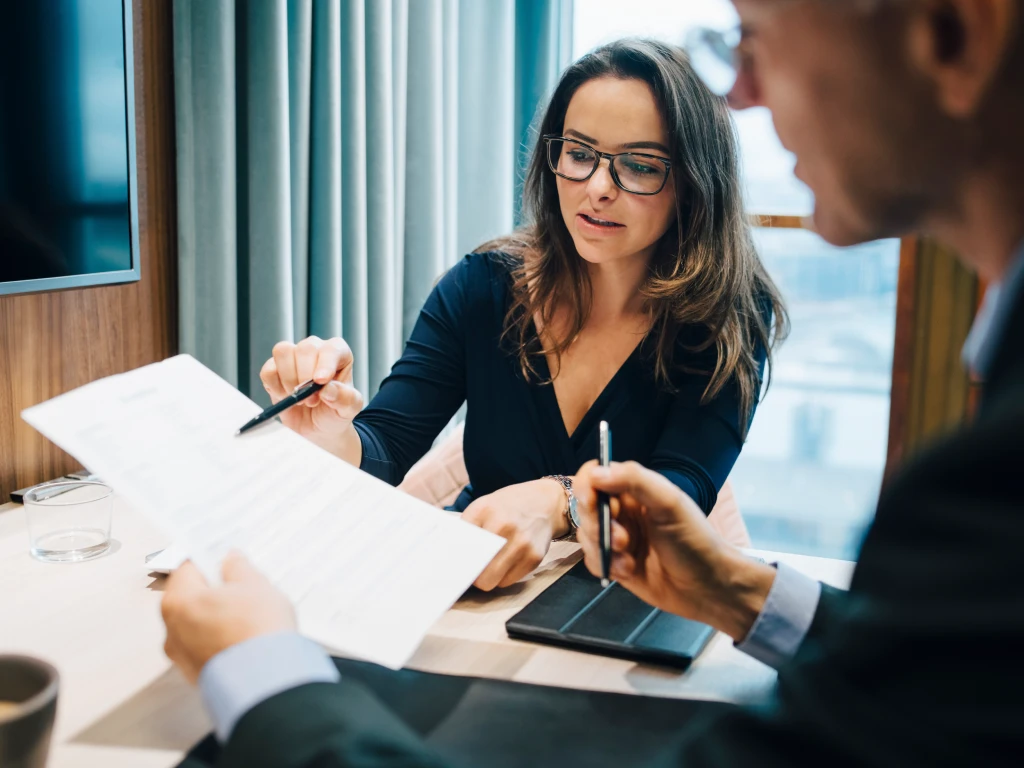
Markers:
576,612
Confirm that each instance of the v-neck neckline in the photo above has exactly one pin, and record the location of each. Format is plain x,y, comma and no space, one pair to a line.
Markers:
599,405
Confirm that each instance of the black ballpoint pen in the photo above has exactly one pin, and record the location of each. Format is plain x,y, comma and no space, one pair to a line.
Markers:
604,508
300,394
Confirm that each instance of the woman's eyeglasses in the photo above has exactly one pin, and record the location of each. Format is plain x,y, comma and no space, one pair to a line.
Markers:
634,172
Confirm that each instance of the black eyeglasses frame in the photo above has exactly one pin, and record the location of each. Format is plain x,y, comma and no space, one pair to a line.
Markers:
611,163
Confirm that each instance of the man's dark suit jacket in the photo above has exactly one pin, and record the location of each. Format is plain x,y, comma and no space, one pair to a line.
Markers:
920,663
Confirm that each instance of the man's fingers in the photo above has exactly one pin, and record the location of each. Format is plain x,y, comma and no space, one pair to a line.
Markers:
583,484
171,649
186,578
623,563
236,567
181,589
620,537
624,568
621,507
174,651
591,555
648,488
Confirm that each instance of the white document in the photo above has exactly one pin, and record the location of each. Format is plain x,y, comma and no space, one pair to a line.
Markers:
368,567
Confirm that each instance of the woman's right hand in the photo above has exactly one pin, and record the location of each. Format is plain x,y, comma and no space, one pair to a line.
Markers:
325,417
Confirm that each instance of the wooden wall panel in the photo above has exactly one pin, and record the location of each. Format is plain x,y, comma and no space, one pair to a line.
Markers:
936,303
783,222
937,299
53,342
903,349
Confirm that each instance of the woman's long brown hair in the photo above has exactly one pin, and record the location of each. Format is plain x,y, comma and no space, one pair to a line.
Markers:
705,272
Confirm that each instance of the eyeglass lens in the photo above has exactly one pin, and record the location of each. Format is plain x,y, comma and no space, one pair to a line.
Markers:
634,173
713,55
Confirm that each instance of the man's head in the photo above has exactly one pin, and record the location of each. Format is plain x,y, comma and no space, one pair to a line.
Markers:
892,107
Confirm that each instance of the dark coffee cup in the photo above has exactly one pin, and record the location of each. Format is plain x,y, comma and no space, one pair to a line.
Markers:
28,703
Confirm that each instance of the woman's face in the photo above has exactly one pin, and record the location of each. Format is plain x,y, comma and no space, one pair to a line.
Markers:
607,223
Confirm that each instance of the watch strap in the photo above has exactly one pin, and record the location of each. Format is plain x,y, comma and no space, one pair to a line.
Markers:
570,504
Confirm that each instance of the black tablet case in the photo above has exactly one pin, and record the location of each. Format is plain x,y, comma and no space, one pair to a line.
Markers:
576,612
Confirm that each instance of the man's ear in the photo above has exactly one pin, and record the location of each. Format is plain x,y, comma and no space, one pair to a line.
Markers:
960,46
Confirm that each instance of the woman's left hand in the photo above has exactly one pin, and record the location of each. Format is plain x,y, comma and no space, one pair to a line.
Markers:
529,515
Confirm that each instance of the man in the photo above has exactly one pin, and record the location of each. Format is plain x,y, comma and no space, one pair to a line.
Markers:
904,115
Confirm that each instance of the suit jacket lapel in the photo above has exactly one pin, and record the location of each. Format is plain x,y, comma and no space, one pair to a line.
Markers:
1009,352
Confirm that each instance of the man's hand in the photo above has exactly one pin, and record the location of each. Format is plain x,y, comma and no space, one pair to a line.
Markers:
529,515
202,620
665,552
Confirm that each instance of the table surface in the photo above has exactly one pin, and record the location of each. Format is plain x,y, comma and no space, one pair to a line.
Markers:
122,704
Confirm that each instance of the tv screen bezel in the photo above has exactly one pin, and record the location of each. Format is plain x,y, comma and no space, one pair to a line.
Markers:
119,276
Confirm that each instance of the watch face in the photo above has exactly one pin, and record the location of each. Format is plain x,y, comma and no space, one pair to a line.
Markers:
573,514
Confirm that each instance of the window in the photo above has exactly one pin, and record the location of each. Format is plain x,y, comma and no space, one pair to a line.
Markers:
809,475
808,478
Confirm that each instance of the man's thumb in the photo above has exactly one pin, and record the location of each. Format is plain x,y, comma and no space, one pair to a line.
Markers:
236,567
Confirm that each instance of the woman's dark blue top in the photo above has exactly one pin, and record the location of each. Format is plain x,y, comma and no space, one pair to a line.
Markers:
514,430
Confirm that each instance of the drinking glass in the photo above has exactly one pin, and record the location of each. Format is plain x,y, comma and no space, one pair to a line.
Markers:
69,520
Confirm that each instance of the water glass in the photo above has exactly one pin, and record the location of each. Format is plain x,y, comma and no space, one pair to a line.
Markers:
69,520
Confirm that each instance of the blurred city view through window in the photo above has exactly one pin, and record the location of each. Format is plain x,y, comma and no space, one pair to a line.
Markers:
808,478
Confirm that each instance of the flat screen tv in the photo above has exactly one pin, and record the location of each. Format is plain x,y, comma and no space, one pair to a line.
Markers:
68,209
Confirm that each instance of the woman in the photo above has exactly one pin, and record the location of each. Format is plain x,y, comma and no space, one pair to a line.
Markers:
635,296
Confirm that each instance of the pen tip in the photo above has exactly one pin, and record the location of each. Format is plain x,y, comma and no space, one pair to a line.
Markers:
238,432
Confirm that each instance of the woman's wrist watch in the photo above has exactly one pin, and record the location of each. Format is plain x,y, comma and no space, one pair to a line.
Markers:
572,517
